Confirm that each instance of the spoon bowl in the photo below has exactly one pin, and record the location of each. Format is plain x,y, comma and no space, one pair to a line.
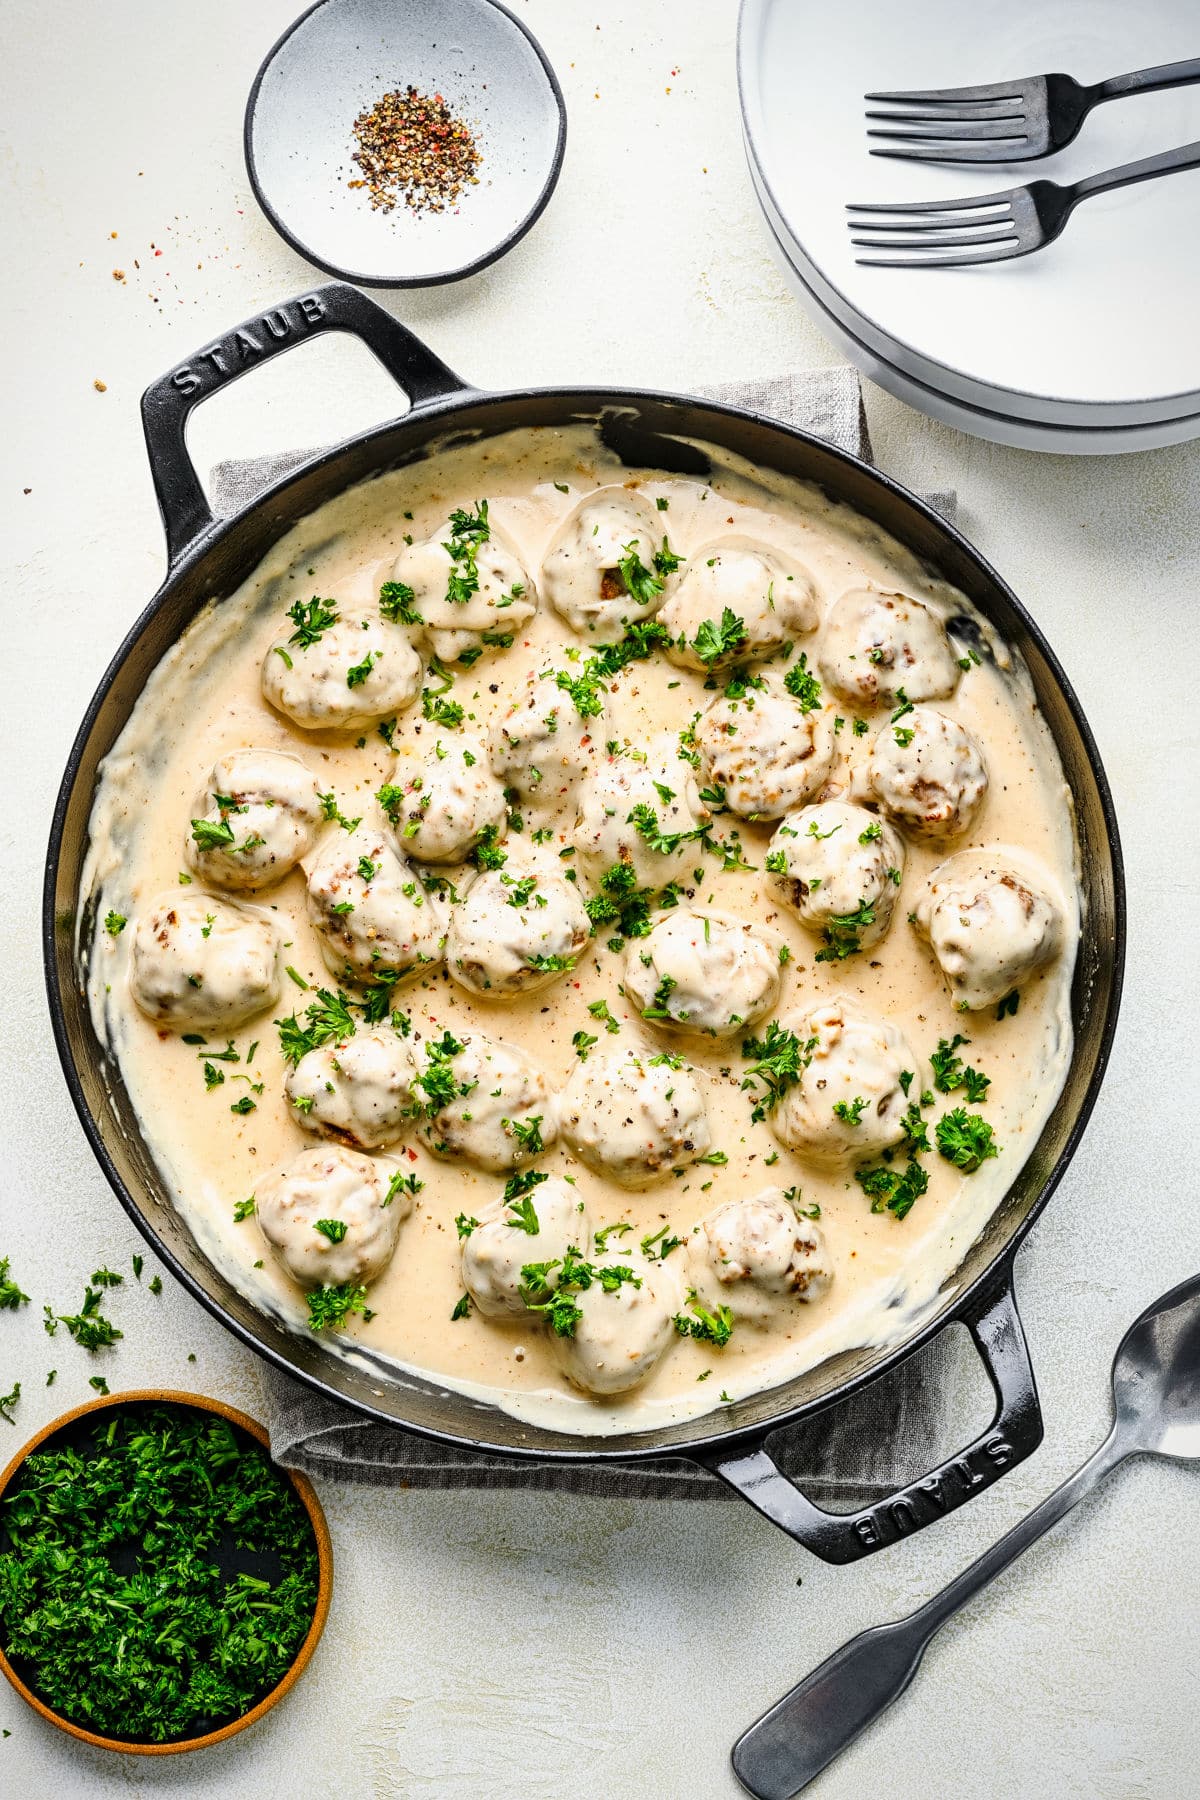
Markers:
1156,1377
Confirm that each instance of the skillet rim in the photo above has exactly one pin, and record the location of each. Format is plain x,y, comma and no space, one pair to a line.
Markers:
593,401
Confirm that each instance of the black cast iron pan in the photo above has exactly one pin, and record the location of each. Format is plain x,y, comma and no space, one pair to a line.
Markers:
208,557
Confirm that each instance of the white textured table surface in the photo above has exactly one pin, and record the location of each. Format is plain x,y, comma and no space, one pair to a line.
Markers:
495,1645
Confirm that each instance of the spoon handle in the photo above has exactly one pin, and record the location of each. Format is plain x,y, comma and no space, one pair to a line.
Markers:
802,1733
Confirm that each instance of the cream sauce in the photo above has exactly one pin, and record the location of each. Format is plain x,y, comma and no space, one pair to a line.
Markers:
204,699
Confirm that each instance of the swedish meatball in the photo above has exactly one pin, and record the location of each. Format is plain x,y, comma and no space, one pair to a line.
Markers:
927,772
879,647
633,1118
625,816
501,1244
991,923
484,1101
442,806
374,919
756,1252
599,573
357,1089
198,961
355,673
539,745
258,814
466,581
699,972
765,754
624,1328
513,933
339,1187
849,1102
770,597
838,868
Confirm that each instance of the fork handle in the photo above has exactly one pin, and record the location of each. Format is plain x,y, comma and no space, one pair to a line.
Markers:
1147,81
1167,162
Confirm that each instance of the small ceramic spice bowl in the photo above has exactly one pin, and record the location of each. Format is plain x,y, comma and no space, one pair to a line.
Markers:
486,118
234,1561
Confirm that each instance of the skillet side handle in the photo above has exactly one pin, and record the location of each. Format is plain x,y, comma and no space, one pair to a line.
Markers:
1014,1433
168,403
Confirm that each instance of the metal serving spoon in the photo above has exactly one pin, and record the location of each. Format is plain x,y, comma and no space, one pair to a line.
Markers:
1156,1398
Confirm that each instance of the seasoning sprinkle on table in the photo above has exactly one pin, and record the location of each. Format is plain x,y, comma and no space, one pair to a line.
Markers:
412,149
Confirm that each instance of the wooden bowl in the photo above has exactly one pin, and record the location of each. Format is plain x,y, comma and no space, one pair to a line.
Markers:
316,1516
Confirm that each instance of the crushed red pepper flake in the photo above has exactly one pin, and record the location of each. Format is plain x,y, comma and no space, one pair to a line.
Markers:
414,151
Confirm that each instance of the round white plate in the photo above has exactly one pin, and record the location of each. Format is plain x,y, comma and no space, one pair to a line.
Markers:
1023,434
1098,329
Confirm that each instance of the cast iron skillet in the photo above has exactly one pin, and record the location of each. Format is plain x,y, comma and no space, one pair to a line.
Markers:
208,557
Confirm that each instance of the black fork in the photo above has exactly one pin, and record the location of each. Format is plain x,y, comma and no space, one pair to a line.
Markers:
1006,121
992,227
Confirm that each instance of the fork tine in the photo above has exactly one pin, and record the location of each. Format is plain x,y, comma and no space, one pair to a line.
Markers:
967,131
968,203
1006,232
996,150
942,262
974,228
949,115
995,90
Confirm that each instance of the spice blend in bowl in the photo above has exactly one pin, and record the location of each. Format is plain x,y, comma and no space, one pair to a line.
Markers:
162,1583
403,146
413,150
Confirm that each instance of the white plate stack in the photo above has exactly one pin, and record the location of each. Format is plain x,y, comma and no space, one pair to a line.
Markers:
1089,347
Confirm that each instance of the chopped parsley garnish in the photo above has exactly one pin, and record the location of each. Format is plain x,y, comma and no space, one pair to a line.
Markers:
441,712
709,1327
950,1074
905,705
521,891
115,923
965,1139
333,1229
599,1010
9,1400
358,674
311,620
583,1042
715,640
549,965
893,1190
641,584
850,1112
658,1008
462,1308
803,685
330,1307
212,834
331,810
644,818
904,735
464,1224
437,1079
606,1231
467,532
328,1016
659,1244
396,603
916,1134
243,1209
871,834
244,1105
779,1060
89,1328
576,1273
776,862
402,1184
11,1296
841,933
487,853
527,1132
524,1216
121,1599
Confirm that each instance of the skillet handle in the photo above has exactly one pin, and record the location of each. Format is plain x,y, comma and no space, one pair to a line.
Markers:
1014,1433
168,403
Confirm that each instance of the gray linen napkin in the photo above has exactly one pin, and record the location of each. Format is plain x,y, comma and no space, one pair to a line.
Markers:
861,1448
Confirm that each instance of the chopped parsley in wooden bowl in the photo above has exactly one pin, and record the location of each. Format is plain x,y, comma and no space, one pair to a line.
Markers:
162,1583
